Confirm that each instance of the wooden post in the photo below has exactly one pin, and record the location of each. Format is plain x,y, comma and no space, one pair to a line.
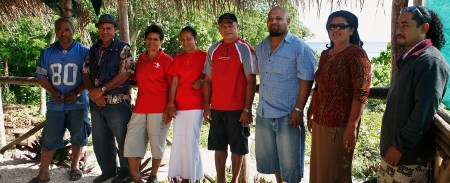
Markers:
396,51
418,2
123,21
2,123
6,73
67,8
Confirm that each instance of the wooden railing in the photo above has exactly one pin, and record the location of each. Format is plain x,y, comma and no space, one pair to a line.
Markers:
442,121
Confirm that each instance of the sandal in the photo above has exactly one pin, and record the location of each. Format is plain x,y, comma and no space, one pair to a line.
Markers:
75,175
37,180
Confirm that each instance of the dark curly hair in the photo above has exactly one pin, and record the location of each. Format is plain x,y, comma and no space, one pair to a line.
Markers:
352,20
155,29
436,30
191,30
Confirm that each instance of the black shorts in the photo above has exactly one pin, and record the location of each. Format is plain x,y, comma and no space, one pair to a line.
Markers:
226,129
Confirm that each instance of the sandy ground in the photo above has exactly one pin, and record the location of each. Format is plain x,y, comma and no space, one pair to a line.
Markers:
22,170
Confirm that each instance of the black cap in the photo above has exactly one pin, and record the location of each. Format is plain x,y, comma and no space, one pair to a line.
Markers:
228,16
107,18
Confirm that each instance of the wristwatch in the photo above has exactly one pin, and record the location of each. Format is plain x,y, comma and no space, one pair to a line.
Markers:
103,89
246,110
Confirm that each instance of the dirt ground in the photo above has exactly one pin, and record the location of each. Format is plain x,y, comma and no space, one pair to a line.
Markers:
20,118
15,167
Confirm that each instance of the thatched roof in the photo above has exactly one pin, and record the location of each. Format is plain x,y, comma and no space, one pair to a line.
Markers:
11,10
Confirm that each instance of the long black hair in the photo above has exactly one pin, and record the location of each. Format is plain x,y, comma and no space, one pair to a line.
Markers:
352,20
436,30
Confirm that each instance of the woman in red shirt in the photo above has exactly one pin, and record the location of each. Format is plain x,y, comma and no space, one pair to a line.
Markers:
186,106
340,94
147,121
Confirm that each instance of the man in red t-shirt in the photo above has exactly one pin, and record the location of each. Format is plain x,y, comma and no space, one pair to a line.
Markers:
229,88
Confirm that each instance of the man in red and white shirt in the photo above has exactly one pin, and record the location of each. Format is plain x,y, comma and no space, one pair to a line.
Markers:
229,88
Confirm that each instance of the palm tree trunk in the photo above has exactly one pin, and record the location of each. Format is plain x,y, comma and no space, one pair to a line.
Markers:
2,123
67,8
6,73
43,98
418,2
123,21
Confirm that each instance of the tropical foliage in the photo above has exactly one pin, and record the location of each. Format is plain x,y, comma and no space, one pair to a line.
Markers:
366,156
22,42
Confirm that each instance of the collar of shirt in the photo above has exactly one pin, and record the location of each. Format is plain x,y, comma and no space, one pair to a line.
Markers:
145,58
226,44
408,51
65,50
287,39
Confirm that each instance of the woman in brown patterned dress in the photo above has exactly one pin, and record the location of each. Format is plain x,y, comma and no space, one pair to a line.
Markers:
340,94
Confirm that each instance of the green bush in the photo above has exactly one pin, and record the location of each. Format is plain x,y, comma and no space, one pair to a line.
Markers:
367,157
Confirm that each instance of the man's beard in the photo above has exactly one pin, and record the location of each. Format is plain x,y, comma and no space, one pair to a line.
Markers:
276,33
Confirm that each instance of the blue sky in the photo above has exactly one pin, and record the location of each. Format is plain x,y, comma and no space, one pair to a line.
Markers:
374,22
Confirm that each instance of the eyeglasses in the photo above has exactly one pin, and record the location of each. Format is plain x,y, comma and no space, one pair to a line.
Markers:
340,26
413,9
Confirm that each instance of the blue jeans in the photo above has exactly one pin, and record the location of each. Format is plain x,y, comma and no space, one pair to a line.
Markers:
280,148
109,124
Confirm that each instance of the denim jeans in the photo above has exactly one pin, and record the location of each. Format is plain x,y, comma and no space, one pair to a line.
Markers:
109,125
56,123
280,148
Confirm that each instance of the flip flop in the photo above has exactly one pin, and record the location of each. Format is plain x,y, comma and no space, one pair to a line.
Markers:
37,180
75,175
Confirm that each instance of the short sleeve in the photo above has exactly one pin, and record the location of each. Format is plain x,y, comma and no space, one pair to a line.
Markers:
167,66
86,63
306,63
127,63
42,66
249,61
208,63
175,67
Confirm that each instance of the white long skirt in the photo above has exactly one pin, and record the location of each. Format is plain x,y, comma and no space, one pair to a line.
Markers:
185,159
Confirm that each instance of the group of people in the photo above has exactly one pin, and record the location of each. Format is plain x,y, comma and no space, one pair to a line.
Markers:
218,86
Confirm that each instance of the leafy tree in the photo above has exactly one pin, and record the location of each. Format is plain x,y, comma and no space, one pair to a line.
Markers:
22,45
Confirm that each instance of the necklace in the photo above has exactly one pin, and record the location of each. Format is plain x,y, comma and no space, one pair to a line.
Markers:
332,52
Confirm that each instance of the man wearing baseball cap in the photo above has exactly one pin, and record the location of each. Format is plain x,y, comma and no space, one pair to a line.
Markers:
229,88
106,75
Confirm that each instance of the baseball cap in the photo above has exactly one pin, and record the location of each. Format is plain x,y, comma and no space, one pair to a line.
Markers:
107,18
228,16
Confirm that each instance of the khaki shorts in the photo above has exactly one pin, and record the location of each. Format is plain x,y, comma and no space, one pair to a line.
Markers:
143,128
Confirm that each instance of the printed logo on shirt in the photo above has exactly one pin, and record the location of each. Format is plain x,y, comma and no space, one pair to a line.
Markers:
157,65
224,58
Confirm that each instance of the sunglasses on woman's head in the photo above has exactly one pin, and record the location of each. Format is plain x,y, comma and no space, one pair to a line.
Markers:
340,26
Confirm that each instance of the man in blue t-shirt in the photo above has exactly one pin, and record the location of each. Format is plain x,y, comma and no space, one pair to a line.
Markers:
59,72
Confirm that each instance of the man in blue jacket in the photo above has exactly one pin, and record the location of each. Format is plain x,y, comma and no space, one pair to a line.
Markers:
418,85
106,74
